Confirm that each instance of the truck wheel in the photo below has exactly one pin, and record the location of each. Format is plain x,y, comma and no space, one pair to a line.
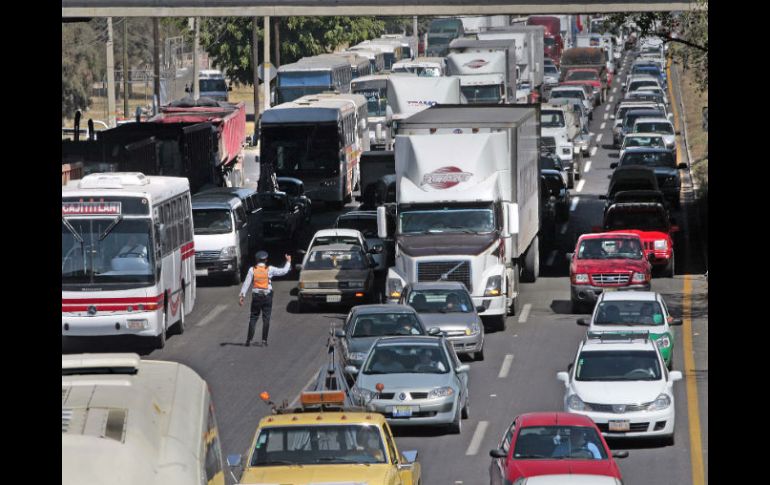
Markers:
531,262
180,325
477,357
236,277
160,340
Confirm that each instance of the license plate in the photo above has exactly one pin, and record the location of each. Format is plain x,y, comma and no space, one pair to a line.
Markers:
333,298
402,411
201,272
612,288
623,425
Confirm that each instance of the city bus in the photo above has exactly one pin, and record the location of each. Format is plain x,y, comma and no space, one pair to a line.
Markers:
359,64
131,421
375,89
312,75
317,139
391,50
375,56
128,257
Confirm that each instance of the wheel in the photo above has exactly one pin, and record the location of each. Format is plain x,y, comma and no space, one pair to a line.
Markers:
466,409
571,180
478,356
531,262
160,340
670,267
578,306
236,277
456,426
180,325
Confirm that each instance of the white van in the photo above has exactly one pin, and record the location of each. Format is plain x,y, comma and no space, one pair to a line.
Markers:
221,234
212,85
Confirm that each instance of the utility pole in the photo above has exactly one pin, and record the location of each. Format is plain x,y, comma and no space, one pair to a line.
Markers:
156,61
266,77
416,36
196,84
110,76
277,49
254,64
125,67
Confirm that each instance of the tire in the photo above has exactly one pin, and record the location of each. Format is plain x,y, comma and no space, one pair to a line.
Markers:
180,325
478,356
670,267
571,180
456,426
236,277
160,340
466,412
532,262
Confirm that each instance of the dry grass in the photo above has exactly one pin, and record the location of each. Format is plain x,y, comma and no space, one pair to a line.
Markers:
694,100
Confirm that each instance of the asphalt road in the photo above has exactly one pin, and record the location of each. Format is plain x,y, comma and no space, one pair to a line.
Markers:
541,344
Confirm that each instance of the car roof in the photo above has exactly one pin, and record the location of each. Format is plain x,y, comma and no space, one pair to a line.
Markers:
313,418
384,308
571,479
437,285
644,134
337,232
409,340
608,235
554,419
647,149
630,296
651,119
595,345
211,201
336,247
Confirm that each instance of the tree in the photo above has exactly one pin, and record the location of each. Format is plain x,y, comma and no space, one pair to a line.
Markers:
80,63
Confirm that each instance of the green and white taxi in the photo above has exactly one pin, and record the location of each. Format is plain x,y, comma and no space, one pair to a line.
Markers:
638,311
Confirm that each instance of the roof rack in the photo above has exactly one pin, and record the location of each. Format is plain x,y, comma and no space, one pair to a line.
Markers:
612,337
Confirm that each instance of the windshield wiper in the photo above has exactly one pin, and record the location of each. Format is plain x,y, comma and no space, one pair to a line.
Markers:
72,230
334,459
111,226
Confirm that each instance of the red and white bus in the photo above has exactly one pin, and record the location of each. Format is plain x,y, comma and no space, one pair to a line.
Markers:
128,258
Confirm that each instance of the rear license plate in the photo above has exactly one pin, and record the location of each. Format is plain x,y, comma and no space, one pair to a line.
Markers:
201,272
623,425
333,298
402,411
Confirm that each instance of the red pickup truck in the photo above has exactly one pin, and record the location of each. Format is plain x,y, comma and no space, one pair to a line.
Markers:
590,77
606,262
651,223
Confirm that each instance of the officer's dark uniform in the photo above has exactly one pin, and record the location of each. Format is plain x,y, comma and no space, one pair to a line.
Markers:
260,279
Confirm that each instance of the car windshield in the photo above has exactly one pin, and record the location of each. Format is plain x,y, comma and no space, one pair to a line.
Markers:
406,359
617,365
629,312
447,221
582,76
385,324
318,444
367,225
212,221
559,442
336,259
648,220
648,159
571,93
329,240
551,119
440,301
654,127
549,69
638,84
273,202
610,248
644,141
209,85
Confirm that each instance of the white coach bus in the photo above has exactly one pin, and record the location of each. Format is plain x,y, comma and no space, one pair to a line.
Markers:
128,257
129,421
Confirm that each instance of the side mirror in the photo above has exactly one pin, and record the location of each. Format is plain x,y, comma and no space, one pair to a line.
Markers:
614,165
434,331
651,257
463,368
582,321
564,377
230,88
339,333
612,117
409,456
675,375
301,252
376,249
480,309
388,115
234,460
351,369
620,454
682,166
498,453
675,321
382,222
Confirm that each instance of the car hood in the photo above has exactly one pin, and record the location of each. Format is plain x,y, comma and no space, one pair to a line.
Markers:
333,274
448,321
444,244
317,474
531,468
614,392
404,382
610,265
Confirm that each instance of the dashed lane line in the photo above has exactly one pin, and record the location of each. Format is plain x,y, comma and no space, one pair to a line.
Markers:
607,108
478,435
506,367
603,125
606,115
587,167
578,189
576,199
612,98
599,137
564,228
593,151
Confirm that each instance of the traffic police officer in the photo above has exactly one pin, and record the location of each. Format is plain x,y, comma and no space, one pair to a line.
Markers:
260,279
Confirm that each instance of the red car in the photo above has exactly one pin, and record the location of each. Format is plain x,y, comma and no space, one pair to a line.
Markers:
549,444
589,77
606,261
651,223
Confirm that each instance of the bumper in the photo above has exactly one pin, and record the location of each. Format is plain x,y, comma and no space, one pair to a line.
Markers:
424,412
642,423
214,267
590,293
659,258
494,305
330,295
111,324
467,344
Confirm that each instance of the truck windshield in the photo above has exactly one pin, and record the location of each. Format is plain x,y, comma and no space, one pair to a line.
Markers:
447,221
107,250
549,41
639,220
212,221
296,150
551,119
482,94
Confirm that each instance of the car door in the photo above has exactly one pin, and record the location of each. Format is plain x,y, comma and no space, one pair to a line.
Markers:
256,231
242,229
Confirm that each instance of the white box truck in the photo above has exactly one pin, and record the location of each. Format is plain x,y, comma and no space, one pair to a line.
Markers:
469,57
475,24
467,203
529,53
408,94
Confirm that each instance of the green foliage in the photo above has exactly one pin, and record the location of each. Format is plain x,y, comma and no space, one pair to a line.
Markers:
80,61
227,40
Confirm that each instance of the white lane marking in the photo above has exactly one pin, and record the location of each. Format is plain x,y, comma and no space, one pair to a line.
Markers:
212,315
606,115
564,228
478,435
587,167
612,98
607,108
578,189
493,395
615,89
593,151
599,137
575,201
506,367
548,262
603,125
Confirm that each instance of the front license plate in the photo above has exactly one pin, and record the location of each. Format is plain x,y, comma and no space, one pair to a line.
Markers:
333,298
201,272
612,288
623,425
402,411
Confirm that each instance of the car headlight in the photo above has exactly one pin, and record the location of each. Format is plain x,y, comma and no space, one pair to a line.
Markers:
638,278
441,392
661,245
664,342
308,284
362,395
357,356
395,287
228,252
494,284
661,402
581,278
474,330
576,404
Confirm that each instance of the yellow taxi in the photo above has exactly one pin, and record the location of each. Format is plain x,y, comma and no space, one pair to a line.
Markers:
325,443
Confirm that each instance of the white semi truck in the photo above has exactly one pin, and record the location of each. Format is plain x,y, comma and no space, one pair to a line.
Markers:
467,203
478,23
529,53
494,59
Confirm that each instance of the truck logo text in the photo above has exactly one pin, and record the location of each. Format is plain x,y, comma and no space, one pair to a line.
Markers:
476,63
445,177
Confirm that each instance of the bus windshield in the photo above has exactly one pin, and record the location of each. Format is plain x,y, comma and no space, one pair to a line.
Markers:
107,250
297,149
376,100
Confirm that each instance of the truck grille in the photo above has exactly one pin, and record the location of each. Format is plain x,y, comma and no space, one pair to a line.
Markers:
433,270
610,278
207,254
327,284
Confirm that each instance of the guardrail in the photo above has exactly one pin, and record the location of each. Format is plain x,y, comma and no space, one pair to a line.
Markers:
71,171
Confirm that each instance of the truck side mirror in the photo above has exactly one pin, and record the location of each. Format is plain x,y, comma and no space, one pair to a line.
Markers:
388,115
382,222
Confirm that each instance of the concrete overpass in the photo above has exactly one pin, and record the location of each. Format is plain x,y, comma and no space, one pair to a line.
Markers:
287,8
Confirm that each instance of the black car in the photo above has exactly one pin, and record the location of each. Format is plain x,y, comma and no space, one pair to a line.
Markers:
295,189
663,162
630,179
555,201
282,221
